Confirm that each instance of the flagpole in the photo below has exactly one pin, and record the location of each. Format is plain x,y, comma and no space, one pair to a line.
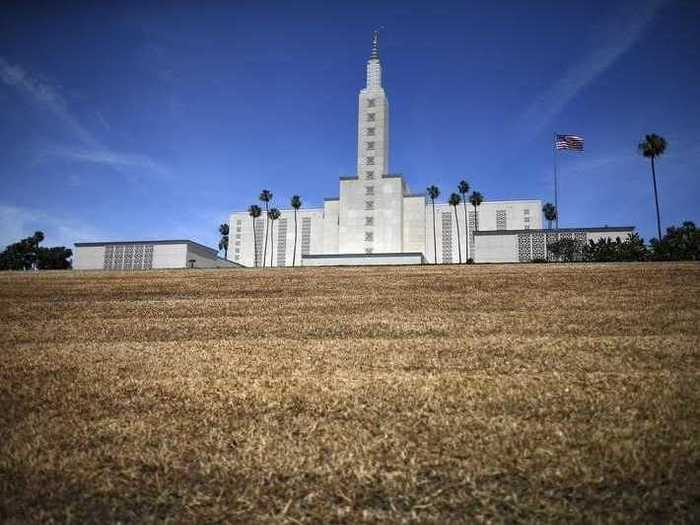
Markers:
556,192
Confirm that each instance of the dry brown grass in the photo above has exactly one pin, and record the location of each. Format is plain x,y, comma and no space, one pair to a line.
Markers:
433,394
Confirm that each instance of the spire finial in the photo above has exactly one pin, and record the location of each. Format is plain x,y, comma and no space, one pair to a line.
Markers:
374,55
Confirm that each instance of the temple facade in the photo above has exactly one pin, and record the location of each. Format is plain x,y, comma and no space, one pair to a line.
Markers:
376,218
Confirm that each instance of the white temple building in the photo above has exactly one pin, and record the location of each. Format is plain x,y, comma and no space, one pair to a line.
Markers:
376,219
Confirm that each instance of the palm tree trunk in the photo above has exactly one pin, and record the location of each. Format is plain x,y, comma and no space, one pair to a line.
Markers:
267,221
434,234
255,245
226,250
466,229
549,227
294,256
272,244
656,199
459,241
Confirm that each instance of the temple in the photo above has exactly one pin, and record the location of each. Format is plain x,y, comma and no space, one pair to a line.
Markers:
376,219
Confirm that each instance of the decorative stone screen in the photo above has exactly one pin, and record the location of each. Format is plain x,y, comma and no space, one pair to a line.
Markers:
446,237
472,225
128,257
524,247
282,243
259,239
306,235
501,220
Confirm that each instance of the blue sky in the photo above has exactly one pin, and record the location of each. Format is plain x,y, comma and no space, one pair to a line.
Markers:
125,121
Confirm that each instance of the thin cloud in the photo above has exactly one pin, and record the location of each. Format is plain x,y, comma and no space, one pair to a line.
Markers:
623,32
91,150
109,158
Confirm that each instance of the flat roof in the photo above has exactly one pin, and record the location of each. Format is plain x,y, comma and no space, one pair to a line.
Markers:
560,230
120,243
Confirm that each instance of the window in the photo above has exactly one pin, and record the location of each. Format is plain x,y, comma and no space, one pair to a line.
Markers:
369,174
370,145
369,236
526,212
370,132
370,161
369,190
526,219
238,236
369,221
370,117
370,102
368,250
527,226
369,205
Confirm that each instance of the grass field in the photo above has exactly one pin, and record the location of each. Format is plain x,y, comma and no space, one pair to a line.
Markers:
433,394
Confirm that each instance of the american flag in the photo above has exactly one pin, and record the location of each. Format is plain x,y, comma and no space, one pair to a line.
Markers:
568,142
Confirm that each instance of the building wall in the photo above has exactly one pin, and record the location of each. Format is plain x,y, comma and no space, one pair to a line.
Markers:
280,243
364,259
414,224
524,246
169,256
89,258
331,223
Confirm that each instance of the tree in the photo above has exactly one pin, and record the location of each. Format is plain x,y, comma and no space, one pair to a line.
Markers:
254,211
26,253
266,197
679,244
55,258
223,242
651,147
608,250
550,213
567,250
454,201
434,193
476,199
296,204
273,215
463,188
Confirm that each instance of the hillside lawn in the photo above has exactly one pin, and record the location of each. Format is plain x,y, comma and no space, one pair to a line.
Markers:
442,394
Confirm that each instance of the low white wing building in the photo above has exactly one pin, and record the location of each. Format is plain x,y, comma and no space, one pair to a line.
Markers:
146,255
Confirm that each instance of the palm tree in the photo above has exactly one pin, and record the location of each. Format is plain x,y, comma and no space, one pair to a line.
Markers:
296,204
254,211
476,199
434,193
223,242
651,147
455,199
463,188
266,197
273,215
550,213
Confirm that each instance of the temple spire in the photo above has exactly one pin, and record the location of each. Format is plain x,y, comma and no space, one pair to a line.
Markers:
374,55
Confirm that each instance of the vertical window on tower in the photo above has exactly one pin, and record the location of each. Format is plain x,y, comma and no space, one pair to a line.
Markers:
370,145
369,221
369,190
370,132
370,161
369,236
369,205
370,102
370,117
369,174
